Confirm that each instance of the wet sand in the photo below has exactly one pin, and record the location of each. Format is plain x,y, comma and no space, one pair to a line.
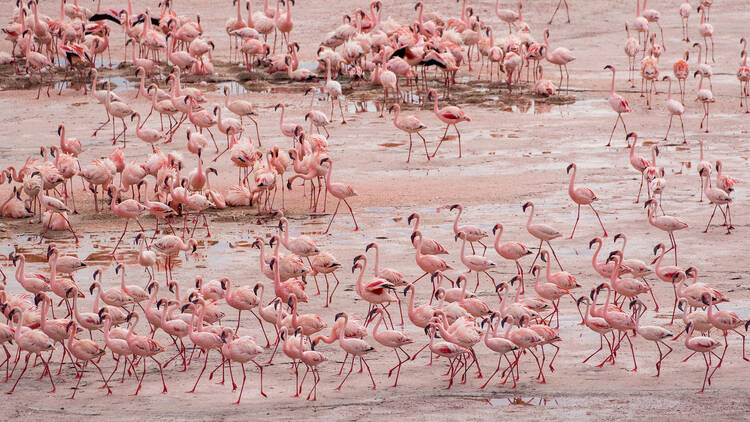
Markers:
515,149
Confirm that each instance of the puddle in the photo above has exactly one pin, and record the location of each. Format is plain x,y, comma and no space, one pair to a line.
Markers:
235,88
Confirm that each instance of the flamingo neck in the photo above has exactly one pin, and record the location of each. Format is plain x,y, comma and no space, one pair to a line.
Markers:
594,261
497,237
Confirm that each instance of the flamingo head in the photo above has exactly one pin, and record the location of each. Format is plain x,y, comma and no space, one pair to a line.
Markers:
371,245
526,205
594,240
570,166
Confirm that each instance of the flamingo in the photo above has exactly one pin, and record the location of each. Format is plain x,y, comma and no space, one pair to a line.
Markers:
638,162
581,196
410,125
450,115
560,56
31,341
395,340
702,345
429,246
339,191
542,232
665,223
717,197
144,347
356,347
675,108
618,103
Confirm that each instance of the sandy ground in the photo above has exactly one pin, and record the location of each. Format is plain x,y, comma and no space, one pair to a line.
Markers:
515,149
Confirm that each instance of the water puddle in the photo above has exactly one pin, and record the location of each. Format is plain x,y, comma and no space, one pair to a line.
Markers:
235,88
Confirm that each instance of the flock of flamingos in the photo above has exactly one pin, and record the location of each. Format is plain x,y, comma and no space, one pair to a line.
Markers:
422,56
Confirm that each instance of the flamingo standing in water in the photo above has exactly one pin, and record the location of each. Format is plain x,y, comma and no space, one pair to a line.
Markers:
581,196
618,103
560,56
450,115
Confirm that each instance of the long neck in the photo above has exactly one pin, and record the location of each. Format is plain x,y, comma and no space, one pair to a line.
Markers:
669,90
377,324
596,255
19,271
361,274
701,142
497,237
346,321
463,248
571,185
377,261
411,301
152,297
586,315
612,89
435,104
531,216
455,221
637,8
613,276
606,302
43,320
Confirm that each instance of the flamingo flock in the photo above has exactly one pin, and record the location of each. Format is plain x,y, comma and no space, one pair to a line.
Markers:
145,319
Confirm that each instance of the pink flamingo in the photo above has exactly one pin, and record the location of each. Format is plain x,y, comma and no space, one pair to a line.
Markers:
87,351
356,347
144,347
582,196
724,321
410,125
339,191
702,345
376,291
469,232
597,325
430,264
475,263
717,197
395,340
665,223
638,162
542,232
429,246
512,251
31,341
392,276
450,115
724,181
619,321
206,340
652,333
675,108
127,209
242,350
618,103
560,56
